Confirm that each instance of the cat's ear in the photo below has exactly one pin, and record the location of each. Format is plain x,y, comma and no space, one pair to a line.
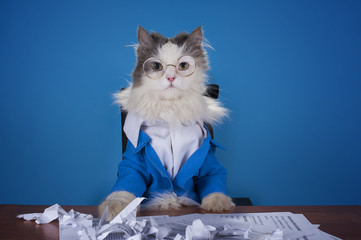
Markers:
196,37
144,37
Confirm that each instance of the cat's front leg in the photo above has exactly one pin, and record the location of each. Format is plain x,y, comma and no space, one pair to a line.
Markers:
116,202
217,202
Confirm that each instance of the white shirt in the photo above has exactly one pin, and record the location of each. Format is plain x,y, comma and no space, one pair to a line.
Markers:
172,145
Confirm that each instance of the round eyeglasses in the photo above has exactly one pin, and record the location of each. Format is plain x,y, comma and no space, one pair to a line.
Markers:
154,68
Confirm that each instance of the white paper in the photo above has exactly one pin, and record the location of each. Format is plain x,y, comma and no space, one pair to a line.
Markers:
262,226
51,213
129,212
254,226
199,231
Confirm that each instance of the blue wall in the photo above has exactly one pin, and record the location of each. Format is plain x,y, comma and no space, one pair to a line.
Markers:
290,72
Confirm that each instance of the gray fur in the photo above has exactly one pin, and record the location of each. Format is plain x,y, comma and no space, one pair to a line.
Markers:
149,44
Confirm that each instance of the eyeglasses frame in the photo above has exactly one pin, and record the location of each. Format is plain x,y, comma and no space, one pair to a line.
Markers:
165,66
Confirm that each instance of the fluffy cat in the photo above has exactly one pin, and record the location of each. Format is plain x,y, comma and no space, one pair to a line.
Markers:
170,155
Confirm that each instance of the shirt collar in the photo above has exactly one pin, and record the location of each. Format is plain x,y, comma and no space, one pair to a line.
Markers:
132,128
132,125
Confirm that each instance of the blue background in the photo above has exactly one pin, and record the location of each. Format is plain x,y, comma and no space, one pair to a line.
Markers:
289,71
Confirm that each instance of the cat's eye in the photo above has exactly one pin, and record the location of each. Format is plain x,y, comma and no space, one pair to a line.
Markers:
183,66
154,68
157,66
186,66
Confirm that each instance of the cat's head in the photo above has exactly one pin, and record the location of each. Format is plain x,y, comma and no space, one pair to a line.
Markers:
170,67
169,80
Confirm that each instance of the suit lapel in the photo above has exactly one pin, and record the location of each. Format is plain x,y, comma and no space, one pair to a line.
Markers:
193,164
154,159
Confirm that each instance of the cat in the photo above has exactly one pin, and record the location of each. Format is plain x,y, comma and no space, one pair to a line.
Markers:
170,156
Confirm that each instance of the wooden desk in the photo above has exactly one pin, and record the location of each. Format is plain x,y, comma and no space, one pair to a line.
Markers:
341,221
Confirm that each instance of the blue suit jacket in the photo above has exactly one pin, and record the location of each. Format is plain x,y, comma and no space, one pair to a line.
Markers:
142,173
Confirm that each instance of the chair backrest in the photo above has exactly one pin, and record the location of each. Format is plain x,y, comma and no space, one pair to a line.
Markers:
212,91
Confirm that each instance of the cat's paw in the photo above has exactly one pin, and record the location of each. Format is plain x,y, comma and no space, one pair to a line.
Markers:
217,202
116,202
163,201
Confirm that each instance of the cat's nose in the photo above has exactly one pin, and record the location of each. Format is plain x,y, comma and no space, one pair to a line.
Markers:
171,78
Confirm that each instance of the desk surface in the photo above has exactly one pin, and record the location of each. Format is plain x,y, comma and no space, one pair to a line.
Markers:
342,221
